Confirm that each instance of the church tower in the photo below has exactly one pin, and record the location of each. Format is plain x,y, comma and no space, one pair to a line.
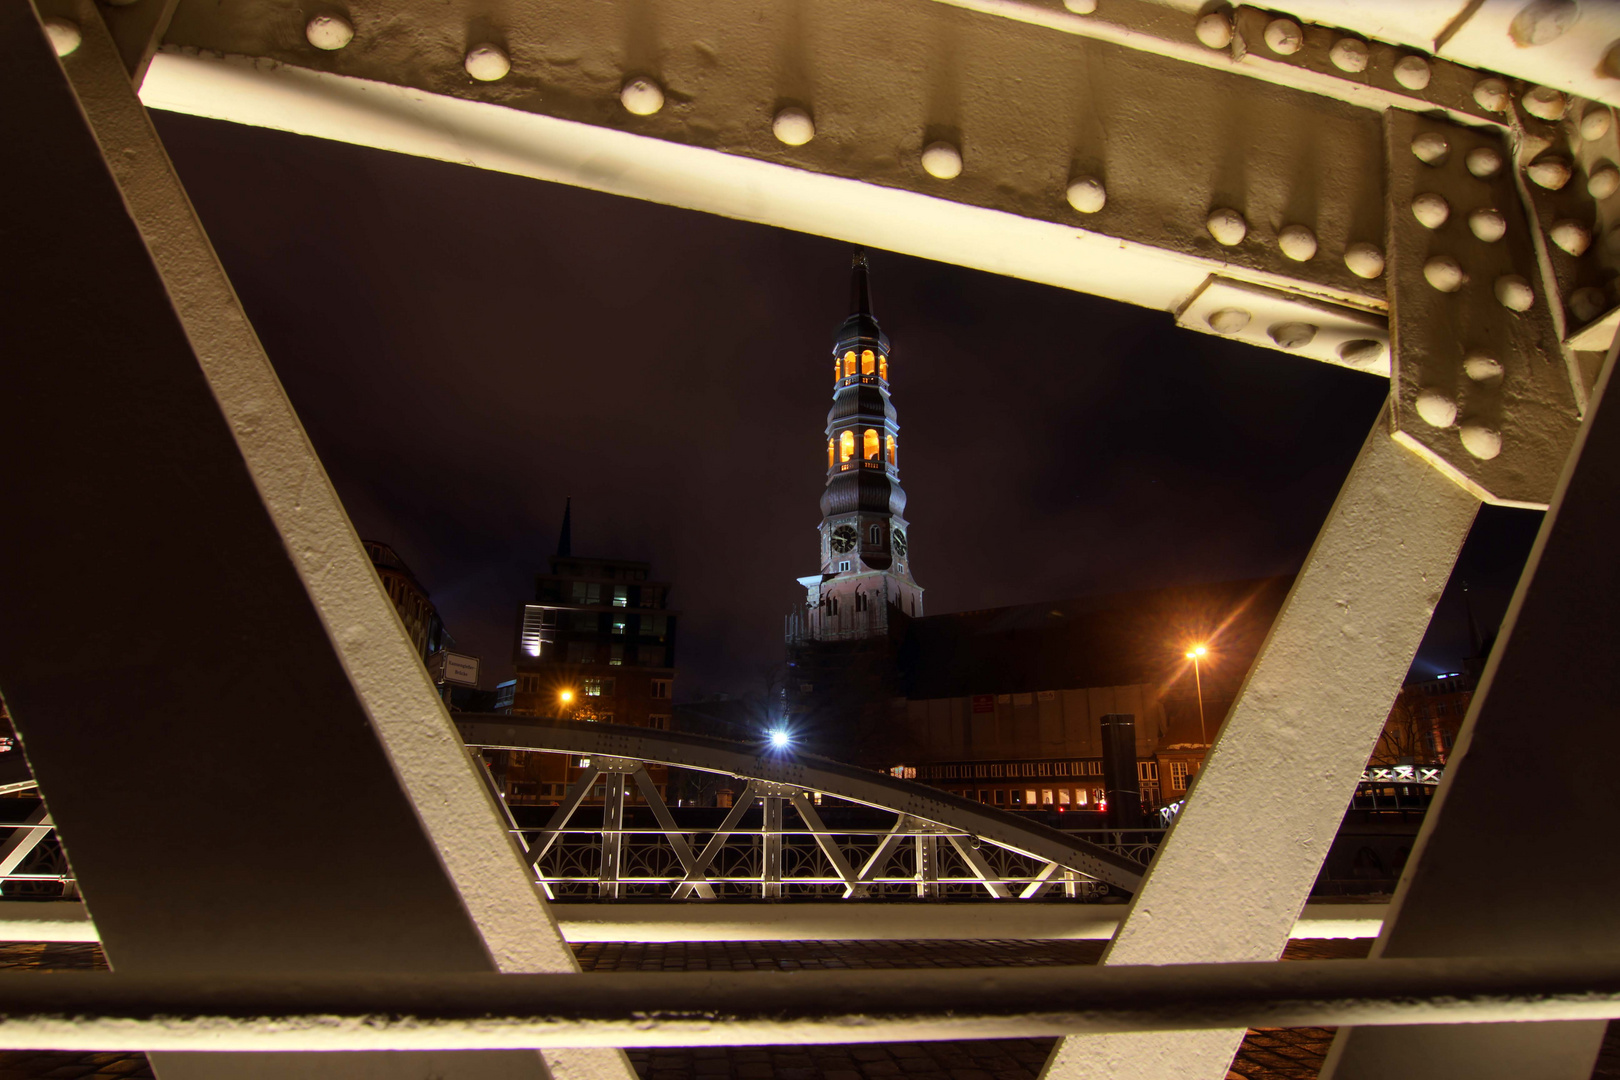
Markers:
865,541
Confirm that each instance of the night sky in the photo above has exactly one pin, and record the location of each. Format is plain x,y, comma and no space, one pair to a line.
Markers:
466,349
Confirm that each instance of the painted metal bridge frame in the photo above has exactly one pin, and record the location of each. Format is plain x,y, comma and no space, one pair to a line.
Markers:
1424,192
1024,858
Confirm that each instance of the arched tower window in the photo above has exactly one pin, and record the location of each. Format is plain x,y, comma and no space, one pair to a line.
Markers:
846,446
849,363
890,439
883,368
868,363
870,445
838,369
876,533
829,453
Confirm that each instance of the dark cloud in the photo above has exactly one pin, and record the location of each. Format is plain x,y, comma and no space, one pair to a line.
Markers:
467,348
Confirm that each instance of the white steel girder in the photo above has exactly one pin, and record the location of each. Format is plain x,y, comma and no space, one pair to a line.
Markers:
1133,151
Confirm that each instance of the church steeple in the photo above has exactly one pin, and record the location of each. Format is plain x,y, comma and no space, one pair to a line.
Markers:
865,544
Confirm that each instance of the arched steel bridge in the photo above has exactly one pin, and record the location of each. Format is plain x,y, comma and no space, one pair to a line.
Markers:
935,845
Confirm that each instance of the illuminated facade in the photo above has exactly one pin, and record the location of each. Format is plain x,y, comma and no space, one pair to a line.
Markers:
865,540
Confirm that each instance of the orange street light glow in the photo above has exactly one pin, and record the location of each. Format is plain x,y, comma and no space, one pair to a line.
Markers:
1197,652
565,696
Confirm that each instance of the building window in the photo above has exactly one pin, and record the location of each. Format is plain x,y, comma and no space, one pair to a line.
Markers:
1063,796
615,655
1029,796
618,626
1001,796
829,453
582,652
1147,772
869,447
621,596
660,688
1178,776
846,446
599,687
876,534
659,723
842,566
603,718
585,592
889,440
849,364
1080,796
860,601
868,362
883,367
586,621
838,369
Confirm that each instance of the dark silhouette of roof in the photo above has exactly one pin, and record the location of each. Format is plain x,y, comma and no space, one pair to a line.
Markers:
1114,640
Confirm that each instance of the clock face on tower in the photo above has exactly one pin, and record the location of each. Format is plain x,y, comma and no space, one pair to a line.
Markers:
844,539
900,542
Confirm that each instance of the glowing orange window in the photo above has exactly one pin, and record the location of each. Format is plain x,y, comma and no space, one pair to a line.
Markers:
838,369
890,439
883,368
846,446
868,363
869,445
849,363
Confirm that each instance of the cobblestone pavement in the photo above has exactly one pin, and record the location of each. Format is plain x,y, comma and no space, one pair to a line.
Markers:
1267,1053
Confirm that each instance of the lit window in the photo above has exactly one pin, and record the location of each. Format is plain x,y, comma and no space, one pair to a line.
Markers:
1178,776
838,369
849,363
618,626
621,596
846,446
870,445
1063,796
829,453
1080,796
868,362
890,440
883,368
1029,797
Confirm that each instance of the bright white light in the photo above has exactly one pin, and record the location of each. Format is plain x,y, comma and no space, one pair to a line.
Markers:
780,739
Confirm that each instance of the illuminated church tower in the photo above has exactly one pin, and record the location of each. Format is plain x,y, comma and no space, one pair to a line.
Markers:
865,542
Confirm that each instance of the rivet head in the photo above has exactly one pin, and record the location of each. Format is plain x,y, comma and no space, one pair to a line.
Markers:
1081,7
1549,172
1484,161
1293,335
1349,54
1595,124
1360,352
1544,102
1604,181
1444,273
329,32
1541,21
1587,304
1364,260
1086,194
942,161
1431,148
1491,94
487,63
1227,227
64,34
1227,320
641,96
1514,293
1412,72
1482,368
1480,441
1214,31
1284,37
1297,243
1571,236
1430,209
793,127
1436,408
1487,225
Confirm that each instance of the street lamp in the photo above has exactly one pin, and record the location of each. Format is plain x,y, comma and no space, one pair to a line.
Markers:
565,698
1195,654
780,739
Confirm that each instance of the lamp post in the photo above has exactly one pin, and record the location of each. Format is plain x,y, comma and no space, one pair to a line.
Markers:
1195,654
